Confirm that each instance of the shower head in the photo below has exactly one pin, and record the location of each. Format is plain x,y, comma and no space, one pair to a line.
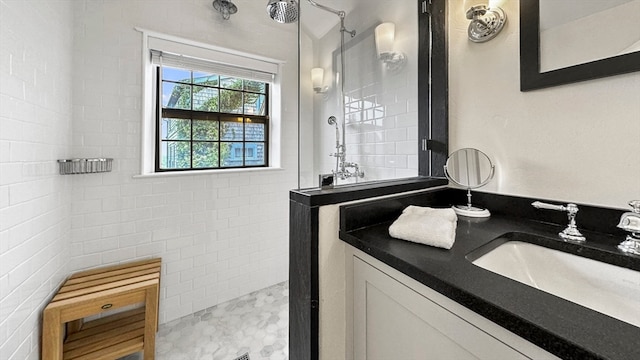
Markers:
225,7
332,120
283,11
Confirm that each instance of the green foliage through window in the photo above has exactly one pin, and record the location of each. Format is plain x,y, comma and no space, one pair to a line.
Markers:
210,121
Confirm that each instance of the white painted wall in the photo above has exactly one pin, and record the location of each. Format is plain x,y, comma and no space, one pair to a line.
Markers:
577,142
220,236
35,131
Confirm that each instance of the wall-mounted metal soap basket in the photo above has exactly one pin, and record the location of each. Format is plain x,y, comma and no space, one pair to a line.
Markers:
84,166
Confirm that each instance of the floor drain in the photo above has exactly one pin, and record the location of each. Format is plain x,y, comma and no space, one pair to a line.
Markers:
243,357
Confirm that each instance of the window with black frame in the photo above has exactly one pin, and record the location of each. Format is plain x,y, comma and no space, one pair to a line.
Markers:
207,120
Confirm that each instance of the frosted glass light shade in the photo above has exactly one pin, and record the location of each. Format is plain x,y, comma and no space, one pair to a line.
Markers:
385,36
317,78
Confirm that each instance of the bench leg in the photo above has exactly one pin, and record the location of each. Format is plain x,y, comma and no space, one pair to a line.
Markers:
51,335
150,323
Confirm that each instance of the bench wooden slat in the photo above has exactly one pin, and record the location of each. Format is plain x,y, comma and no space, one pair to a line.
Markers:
109,292
107,323
115,267
103,287
76,279
121,331
107,279
112,352
97,322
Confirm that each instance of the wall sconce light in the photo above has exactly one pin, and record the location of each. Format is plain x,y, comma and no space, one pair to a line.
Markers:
486,22
385,36
317,79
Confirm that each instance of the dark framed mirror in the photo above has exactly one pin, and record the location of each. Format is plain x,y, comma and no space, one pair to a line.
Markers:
531,75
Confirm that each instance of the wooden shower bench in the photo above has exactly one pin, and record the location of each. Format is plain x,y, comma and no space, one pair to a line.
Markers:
96,291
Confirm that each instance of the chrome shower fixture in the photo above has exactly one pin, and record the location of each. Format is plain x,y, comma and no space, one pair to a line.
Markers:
341,14
342,171
225,7
283,11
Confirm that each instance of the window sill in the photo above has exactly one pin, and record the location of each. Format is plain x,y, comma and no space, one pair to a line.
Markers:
207,172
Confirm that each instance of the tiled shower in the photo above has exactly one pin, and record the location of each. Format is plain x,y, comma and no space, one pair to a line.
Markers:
71,88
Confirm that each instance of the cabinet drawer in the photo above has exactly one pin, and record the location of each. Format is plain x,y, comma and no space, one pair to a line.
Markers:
100,304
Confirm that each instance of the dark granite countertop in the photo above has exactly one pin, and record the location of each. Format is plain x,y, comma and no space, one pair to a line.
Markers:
563,328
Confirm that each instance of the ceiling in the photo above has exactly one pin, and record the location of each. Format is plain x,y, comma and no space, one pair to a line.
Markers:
317,22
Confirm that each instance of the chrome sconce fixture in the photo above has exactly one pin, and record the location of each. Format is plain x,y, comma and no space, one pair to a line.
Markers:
225,7
317,80
385,36
486,22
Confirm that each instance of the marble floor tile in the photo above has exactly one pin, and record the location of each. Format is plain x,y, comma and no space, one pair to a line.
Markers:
257,324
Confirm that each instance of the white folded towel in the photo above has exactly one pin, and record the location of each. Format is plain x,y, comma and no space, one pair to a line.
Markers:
435,227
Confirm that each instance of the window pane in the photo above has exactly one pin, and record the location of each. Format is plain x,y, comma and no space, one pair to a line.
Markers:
176,129
205,154
254,104
232,130
205,99
202,78
231,154
205,130
203,123
255,86
254,154
174,74
231,101
230,83
175,155
176,96
254,131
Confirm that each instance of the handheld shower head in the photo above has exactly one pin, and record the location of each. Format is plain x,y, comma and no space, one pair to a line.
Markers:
283,11
332,121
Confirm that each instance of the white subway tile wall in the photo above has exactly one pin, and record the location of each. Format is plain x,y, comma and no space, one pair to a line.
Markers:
71,87
35,131
219,235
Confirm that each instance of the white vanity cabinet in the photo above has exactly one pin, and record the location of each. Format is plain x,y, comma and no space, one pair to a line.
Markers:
392,316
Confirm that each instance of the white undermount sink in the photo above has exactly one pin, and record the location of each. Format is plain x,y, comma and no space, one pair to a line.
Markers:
606,288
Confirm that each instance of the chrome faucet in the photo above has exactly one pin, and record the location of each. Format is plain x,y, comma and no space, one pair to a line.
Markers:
342,165
630,221
571,232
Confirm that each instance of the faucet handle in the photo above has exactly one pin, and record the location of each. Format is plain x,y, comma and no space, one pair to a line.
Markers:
630,221
571,232
570,208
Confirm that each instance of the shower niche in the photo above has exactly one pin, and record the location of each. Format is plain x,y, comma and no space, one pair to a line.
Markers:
360,123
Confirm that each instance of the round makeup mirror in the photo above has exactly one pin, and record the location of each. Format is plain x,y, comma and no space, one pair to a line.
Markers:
471,169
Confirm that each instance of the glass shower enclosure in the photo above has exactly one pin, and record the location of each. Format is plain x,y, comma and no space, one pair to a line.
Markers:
358,90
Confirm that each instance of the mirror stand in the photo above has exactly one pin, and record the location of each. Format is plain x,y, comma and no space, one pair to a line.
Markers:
471,169
470,210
